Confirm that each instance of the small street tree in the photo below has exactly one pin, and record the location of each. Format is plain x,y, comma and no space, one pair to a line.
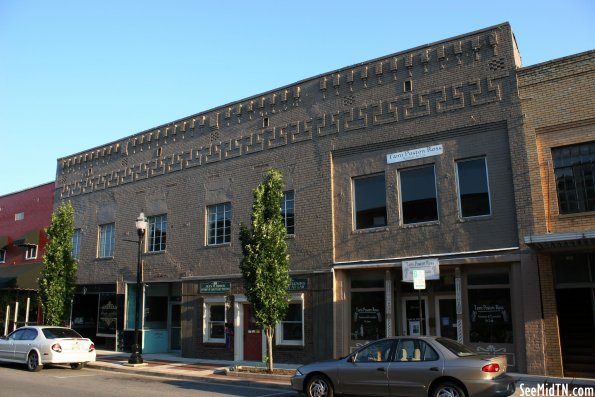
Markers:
265,262
58,275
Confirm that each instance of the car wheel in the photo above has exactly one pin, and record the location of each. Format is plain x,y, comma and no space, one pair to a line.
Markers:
77,365
319,386
448,389
33,364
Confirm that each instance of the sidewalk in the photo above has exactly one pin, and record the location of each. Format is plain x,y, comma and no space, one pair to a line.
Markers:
174,366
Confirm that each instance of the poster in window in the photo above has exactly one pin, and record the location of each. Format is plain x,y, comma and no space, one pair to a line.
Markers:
368,320
108,315
490,314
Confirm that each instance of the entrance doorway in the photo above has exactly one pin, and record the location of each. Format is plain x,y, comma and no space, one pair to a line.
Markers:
446,315
252,336
576,316
412,324
175,326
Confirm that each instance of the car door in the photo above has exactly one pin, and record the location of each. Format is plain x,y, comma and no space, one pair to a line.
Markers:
24,344
7,345
414,367
365,373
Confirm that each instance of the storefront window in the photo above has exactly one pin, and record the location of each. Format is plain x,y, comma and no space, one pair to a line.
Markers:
490,315
367,315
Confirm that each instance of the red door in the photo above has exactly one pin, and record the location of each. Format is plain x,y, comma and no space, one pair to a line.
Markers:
252,337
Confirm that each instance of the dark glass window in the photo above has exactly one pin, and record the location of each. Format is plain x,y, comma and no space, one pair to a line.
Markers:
574,168
216,321
418,195
370,201
219,218
287,211
474,196
157,233
291,326
491,318
367,315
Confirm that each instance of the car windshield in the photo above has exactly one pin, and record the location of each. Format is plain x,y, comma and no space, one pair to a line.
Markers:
55,333
456,347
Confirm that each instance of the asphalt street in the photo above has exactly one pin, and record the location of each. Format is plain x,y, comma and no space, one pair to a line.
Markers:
57,381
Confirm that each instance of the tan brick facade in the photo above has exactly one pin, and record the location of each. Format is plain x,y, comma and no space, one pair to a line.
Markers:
459,95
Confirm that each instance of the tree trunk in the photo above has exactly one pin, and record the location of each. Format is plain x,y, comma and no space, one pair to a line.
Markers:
270,331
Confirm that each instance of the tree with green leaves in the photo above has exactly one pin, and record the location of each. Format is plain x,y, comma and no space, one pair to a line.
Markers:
58,275
265,262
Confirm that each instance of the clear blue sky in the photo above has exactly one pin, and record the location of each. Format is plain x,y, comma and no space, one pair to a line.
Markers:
81,73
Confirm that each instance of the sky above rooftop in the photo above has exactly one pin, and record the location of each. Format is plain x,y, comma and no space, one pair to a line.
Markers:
79,74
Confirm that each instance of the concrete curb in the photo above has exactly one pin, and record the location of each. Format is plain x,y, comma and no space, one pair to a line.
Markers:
219,375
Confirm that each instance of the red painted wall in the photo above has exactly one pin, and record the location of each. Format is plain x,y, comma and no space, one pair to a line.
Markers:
37,205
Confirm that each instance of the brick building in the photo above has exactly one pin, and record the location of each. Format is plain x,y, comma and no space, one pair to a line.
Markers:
416,160
24,215
558,103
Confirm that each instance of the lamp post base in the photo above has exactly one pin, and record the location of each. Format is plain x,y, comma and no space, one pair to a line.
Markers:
135,357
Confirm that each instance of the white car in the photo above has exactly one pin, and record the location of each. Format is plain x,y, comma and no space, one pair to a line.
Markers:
42,344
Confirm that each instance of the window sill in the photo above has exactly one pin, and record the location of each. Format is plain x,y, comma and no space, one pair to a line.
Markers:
218,245
371,230
575,215
155,252
299,344
420,224
477,218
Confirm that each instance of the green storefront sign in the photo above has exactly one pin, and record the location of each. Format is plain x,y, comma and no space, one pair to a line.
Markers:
215,287
298,284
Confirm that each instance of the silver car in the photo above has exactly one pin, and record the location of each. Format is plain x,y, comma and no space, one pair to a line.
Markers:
408,366
39,345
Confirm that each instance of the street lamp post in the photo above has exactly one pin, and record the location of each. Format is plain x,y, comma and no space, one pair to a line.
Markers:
141,227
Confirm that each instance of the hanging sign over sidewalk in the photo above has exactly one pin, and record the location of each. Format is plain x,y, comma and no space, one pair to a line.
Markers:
430,267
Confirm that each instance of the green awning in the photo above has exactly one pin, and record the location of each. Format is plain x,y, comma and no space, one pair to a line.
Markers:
20,276
3,242
29,238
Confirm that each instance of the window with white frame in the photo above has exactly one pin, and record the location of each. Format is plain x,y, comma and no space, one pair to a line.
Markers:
19,216
157,233
2,256
419,201
76,243
290,331
31,252
219,224
287,211
107,240
474,193
214,320
369,197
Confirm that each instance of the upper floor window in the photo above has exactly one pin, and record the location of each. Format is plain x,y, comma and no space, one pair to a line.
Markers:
76,244
19,216
219,224
369,194
574,168
419,201
2,255
157,233
31,252
474,194
107,240
287,211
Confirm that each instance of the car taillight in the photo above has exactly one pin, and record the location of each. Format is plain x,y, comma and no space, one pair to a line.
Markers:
491,368
91,347
57,348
